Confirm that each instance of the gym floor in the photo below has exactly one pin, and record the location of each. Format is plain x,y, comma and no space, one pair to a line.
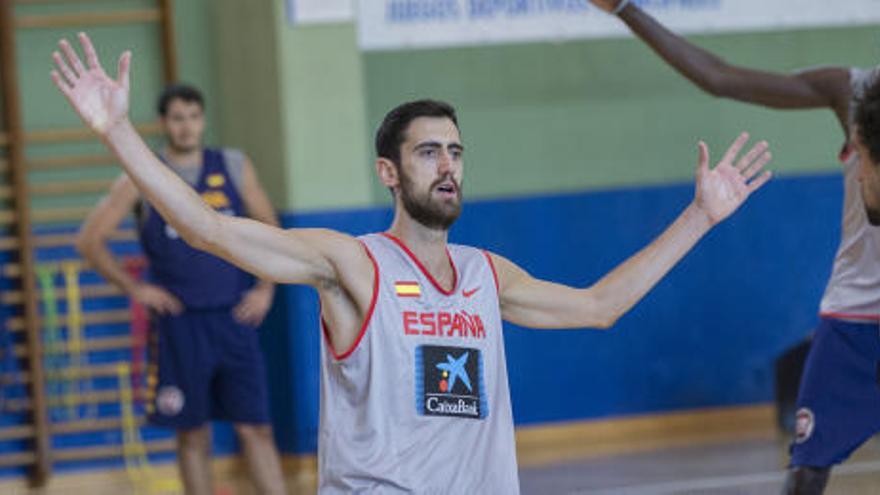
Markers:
746,467
751,465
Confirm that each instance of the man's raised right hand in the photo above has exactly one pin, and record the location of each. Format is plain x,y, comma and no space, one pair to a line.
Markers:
100,101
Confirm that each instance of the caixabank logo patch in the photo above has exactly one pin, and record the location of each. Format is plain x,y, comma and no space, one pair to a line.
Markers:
449,382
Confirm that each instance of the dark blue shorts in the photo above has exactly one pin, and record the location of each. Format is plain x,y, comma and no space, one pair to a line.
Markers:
839,400
204,365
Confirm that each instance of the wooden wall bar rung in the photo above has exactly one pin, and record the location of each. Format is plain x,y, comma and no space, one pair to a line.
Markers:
32,2
13,270
62,188
22,377
71,161
57,240
74,134
87,19
59,135
17,405
99,371
72,187
99,397
17,432
21,432
47,215
17,459
91,345
77,213
103,452
16,324
91,371
86,292
88,425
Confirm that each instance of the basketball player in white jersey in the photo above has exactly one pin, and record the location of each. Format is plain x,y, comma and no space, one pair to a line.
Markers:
414,395
839,380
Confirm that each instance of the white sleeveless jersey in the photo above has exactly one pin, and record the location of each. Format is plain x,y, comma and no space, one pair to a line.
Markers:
853,291
420,404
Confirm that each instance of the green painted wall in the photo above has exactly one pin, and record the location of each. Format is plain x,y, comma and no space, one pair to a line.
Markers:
43,106
324,110
294,100
538,117
249,86
608,113
304,101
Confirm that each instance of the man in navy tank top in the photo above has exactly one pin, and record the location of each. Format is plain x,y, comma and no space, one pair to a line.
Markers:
205,360
414,395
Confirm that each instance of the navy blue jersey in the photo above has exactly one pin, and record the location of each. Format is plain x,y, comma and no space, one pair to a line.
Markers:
200,280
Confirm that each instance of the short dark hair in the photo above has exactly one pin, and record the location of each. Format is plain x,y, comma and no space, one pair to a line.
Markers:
183,92
391,133
867,119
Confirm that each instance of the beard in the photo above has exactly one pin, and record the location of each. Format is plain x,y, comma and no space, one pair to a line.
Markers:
435,215
870,199
873,215
178,147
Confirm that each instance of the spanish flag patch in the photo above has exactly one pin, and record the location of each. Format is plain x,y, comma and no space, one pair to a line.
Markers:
407,289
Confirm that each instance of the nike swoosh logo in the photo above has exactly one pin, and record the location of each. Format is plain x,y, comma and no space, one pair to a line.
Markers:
469,293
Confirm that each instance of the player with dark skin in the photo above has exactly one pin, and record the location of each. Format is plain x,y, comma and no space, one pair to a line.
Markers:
830,88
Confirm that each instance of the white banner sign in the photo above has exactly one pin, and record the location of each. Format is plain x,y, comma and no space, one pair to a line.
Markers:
399,24
319,11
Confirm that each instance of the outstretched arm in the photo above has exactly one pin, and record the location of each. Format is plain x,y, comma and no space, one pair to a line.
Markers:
309,257
535,303
256,302
812,88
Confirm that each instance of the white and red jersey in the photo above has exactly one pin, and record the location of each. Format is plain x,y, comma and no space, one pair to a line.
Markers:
853,290
420,403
